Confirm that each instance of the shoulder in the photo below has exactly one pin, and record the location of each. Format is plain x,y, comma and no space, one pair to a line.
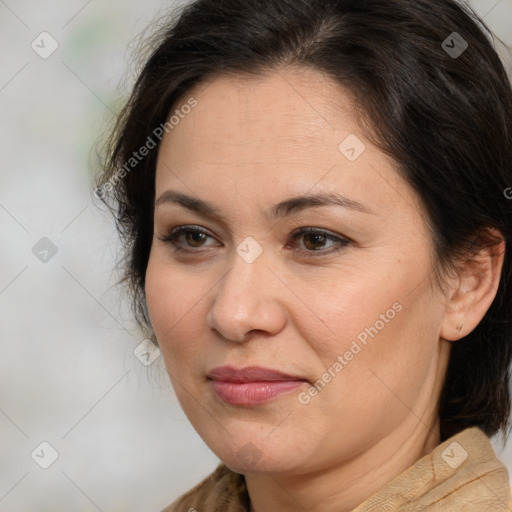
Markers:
223,490
462,474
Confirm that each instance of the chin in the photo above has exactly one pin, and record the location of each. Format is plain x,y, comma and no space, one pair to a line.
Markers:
253,454
250,461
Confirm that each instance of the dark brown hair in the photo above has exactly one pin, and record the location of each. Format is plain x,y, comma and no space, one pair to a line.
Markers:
442,110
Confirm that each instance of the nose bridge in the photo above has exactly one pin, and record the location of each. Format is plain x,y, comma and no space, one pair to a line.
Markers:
245,299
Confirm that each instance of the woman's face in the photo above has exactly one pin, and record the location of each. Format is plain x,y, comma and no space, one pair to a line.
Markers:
347,311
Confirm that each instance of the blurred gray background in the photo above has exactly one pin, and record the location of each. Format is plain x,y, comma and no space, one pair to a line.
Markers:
86,424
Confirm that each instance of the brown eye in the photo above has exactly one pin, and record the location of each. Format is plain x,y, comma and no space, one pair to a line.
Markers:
314,241
185,238
195,238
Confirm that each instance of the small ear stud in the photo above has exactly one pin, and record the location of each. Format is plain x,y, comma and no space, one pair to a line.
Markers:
459,327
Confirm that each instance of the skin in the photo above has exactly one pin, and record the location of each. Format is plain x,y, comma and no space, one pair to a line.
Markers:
247,145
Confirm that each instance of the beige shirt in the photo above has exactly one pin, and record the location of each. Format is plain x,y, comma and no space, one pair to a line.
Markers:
461,474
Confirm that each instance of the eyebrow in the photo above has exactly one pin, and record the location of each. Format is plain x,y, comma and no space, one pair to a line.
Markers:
285,208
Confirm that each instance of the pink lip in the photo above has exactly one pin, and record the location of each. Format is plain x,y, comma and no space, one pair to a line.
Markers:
251,385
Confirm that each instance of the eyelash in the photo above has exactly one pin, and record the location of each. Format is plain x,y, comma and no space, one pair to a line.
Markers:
175,233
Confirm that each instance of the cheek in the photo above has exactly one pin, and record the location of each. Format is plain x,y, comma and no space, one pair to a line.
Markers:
376,323
343,306
174,301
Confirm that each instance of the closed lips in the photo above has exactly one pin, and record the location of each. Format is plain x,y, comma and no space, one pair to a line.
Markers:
250,374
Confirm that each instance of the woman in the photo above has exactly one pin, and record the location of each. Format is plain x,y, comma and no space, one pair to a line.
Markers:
315,203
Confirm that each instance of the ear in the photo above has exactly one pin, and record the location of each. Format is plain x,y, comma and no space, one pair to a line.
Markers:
473,290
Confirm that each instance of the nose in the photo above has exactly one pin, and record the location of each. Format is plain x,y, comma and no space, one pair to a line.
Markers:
249,298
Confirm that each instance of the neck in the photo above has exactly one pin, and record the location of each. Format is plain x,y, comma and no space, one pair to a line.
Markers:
346,486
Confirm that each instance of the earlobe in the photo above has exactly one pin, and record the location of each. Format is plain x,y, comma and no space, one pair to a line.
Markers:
478,283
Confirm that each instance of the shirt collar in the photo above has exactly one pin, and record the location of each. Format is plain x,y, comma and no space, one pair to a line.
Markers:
461,474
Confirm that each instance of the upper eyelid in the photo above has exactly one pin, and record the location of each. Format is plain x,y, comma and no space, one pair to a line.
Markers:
313,229
299,230
296,233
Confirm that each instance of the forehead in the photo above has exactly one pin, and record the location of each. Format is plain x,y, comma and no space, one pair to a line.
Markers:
280,107
259,134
